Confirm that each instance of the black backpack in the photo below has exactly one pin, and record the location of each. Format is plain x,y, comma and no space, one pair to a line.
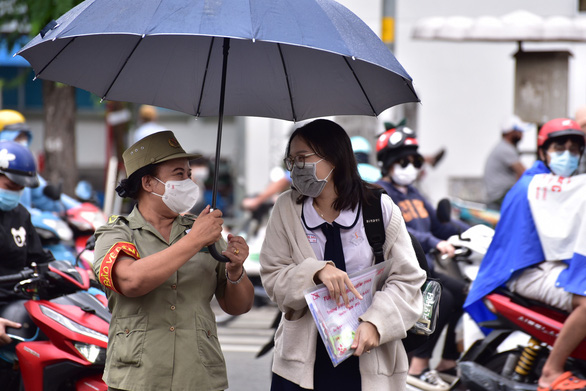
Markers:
374,227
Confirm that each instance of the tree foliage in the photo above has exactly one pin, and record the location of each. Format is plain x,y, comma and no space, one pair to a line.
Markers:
30,16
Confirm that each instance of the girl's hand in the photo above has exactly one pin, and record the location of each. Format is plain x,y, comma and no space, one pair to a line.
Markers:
336,281
366,338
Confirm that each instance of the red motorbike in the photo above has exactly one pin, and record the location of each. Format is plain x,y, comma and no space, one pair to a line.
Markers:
84,219
61,345
490,365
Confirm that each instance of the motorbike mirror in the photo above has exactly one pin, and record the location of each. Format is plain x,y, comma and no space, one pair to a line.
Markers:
444,211
91,243
53,191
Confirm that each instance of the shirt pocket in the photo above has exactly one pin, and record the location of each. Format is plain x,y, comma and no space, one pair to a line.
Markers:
208,344
129,336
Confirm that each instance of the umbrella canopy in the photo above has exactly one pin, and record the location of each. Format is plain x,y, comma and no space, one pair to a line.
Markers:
288,59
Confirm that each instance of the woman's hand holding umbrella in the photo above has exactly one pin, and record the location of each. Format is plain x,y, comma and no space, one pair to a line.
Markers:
207,228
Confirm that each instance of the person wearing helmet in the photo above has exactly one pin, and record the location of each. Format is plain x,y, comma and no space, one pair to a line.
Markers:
362,150
13,127
20,244
537,250
503,166
401,164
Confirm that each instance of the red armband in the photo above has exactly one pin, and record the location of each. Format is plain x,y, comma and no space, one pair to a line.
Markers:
107,265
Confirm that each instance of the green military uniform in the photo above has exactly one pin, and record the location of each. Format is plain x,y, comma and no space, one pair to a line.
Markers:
166,339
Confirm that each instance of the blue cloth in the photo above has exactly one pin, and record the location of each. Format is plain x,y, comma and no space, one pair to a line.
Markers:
515,246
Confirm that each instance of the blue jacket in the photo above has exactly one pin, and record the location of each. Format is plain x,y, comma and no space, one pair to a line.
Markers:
420,217
515,246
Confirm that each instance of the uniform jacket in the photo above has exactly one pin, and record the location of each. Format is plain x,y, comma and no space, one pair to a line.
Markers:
288,266
166,339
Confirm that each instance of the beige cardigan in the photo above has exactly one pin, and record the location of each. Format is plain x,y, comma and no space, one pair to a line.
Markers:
288,265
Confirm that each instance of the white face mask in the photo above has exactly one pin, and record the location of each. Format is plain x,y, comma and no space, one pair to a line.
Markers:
404,176
179,196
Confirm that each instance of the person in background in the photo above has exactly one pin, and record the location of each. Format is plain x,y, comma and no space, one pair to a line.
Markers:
538,249
20,244
147,117
316,235
160,277
13,127
580,117
401,164
503,166
362,150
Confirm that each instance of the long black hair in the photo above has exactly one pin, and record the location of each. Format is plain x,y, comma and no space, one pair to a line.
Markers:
331,142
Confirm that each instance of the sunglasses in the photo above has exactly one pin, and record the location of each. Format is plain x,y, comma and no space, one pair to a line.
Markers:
416,160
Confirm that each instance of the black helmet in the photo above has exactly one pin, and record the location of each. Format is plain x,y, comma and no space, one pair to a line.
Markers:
394,144
18,164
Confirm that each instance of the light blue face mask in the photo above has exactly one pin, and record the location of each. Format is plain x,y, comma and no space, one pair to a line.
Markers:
9,199
563,163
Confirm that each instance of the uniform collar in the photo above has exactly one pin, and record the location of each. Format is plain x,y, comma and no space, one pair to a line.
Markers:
312,220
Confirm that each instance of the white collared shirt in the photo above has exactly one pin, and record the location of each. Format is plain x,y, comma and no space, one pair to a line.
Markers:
357,252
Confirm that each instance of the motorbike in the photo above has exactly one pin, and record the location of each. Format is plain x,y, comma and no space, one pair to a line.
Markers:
61,345
492,364
84,219
56,235
474,213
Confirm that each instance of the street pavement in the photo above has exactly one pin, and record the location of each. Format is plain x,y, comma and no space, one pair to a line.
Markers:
242,337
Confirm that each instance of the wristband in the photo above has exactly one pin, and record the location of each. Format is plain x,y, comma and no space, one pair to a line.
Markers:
238,280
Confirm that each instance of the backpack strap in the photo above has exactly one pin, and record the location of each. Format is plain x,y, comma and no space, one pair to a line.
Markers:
372,216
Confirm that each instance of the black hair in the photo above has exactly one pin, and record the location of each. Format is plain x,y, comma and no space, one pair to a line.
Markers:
562,140
130,187
331,142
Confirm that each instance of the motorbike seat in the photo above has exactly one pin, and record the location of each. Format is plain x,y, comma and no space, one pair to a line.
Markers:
530,303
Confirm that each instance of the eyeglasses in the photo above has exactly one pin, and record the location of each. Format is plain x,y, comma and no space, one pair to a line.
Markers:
298,161
417,161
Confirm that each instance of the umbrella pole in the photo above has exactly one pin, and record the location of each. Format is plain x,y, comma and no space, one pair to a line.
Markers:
226,49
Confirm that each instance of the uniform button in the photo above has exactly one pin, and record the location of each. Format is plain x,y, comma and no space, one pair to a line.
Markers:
209,333
172,308
127,331
172,328
174,286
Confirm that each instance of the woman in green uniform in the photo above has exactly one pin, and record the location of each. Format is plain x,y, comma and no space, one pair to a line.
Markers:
160,278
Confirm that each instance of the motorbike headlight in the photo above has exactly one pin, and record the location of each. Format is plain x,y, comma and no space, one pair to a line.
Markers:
92,353
72,325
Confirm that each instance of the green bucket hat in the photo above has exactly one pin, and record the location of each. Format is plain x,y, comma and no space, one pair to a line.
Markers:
155,148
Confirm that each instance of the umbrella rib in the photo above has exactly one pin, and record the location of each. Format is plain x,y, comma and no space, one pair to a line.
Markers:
54,57
205,75
288,85
360,85
122,67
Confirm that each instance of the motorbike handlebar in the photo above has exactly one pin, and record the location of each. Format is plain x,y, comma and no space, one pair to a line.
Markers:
23,275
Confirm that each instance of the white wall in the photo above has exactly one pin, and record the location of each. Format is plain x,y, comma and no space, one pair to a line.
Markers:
467,88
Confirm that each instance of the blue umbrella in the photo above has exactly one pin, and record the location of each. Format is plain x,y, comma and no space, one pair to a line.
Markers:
286,59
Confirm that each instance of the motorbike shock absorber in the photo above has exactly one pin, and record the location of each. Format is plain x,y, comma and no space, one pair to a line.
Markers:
527,360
